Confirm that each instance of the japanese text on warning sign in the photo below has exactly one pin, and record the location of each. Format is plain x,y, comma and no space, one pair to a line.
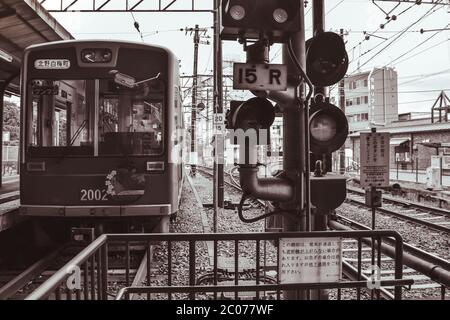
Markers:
374,159
306,260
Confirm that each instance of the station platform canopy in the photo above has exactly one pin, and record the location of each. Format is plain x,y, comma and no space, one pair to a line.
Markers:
23,23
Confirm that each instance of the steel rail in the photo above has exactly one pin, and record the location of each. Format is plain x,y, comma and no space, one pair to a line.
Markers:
435,272
11,287
49,286
352,273
140,275
404,217
406,203
432,258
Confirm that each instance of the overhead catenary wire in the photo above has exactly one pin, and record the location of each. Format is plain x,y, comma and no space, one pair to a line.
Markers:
428,13
424,50
417,46
381,30
136,26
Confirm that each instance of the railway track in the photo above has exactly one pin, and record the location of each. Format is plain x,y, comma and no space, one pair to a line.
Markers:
16,283
431,217
422,283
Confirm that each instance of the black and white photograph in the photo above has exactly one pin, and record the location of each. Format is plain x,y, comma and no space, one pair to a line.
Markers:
220,158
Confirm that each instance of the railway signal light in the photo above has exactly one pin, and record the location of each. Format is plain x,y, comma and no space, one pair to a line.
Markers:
248,19
256,113
328,128
326,59
249,123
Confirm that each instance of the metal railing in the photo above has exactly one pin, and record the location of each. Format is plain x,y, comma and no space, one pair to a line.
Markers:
94,270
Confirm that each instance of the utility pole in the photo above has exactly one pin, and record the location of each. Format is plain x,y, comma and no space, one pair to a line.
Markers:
194,156
194,101
342,107
218,181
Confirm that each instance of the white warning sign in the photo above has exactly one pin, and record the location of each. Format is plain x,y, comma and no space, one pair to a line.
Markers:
374,159
307,260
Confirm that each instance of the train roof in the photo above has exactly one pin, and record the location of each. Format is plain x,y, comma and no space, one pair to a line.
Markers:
74,43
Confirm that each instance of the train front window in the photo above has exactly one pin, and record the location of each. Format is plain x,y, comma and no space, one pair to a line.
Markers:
58,117
130,119
94,118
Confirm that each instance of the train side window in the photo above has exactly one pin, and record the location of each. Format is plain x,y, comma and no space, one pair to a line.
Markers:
59,112
34,123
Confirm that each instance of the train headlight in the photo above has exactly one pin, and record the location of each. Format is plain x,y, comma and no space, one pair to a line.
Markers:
237,12
97,55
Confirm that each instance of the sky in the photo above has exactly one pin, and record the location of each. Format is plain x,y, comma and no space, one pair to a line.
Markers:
423,68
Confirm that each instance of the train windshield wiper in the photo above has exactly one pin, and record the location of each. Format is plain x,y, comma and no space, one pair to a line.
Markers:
77,133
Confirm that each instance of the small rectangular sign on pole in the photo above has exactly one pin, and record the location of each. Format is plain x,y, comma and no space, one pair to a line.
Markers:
375,149
307,260
219,123
250,76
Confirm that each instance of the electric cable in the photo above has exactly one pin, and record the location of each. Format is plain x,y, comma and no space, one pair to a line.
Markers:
263,216
300,69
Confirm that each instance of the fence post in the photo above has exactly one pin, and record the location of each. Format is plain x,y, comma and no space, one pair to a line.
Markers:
104,253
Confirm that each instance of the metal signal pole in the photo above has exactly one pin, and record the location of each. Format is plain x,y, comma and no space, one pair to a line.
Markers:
318,13
319,218
295,145
342,107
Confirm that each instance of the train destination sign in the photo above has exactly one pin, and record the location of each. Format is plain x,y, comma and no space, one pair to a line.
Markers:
374,159
52,64
305,260
250,76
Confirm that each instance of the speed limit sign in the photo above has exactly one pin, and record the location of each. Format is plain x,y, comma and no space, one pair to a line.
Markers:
219,122
249,76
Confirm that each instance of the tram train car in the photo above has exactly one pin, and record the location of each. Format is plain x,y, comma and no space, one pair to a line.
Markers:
101,135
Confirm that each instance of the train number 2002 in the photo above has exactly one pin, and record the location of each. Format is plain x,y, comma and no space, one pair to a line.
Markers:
93,195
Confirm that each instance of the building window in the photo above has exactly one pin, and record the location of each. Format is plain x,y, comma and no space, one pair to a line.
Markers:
354,85
366,83
366,99
402,157
358,101
364,116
